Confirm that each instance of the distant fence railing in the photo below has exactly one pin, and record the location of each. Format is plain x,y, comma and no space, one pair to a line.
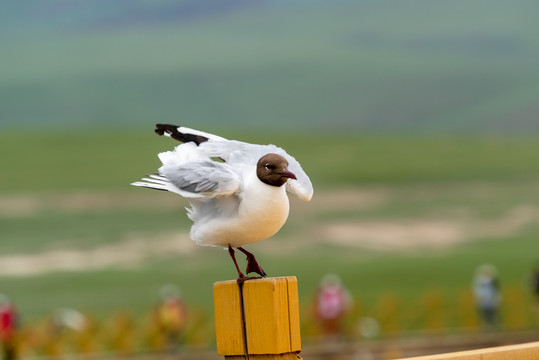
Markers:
528,351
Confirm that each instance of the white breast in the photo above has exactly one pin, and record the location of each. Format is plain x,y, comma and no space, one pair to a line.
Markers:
262,211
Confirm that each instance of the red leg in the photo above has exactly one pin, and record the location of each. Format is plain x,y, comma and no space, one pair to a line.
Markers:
241,277
252,264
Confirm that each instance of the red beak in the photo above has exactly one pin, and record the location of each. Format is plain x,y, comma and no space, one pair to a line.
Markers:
288,174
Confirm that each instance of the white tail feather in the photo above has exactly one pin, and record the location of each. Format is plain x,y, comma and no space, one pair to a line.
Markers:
187,130
150,185
154,181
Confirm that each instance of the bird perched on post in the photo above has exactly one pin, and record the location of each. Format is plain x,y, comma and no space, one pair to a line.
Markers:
237,190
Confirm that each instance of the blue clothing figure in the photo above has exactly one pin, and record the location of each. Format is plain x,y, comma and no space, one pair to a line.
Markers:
486,288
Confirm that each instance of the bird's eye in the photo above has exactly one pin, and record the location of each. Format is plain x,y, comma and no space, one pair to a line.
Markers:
268,167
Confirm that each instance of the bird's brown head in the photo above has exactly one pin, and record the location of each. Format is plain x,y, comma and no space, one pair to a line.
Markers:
272,169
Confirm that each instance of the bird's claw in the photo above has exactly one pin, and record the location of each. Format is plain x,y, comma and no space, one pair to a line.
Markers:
254,267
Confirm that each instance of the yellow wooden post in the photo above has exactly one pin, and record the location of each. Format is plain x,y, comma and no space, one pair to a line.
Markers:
257,320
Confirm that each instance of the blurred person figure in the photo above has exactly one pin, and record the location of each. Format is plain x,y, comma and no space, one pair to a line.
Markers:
332,303
8,328
486,289
171,315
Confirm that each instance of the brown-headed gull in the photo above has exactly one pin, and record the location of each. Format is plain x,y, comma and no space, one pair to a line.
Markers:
237,190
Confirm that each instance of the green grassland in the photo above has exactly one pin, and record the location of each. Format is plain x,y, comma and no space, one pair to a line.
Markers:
91,159
370,65
475,182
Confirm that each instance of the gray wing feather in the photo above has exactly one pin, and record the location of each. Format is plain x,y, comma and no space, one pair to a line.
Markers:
202,179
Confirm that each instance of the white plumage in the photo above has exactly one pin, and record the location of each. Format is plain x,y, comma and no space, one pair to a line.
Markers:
232,204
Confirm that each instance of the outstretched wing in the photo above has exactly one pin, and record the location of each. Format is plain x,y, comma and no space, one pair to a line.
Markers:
204,179
187,180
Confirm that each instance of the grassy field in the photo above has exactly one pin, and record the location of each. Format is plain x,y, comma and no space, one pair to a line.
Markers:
391,215
90,160
399,65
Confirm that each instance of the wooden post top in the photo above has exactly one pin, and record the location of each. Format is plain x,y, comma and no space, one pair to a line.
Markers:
259,317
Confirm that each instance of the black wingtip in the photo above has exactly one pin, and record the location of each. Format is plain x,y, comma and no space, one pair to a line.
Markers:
160,129
172,130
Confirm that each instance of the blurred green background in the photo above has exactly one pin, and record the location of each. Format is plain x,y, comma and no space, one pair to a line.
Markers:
344,65
416,121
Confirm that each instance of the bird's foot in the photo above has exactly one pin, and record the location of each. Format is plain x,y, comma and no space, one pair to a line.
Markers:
253,266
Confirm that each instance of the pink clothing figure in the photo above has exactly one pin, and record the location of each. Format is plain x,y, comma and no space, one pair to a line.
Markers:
332,303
